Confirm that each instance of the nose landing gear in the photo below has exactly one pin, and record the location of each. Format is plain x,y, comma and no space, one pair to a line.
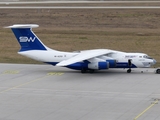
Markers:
129,70
129,64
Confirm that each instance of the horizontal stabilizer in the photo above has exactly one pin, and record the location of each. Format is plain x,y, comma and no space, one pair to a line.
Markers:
23,26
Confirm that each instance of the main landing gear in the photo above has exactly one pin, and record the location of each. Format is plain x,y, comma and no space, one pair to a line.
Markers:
129,64
85,70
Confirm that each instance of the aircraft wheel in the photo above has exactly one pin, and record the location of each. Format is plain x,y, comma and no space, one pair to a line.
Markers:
83,71
158,71
91,71
129,71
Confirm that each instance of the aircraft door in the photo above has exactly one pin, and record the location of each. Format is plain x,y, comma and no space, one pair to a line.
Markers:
129,62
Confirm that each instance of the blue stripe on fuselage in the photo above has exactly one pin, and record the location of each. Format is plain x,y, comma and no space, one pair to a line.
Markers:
124,65
80,65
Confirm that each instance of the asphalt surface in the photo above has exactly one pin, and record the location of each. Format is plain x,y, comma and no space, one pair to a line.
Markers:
44,92
81,7
87,4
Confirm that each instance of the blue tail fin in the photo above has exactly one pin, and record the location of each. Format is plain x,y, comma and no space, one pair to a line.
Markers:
26,38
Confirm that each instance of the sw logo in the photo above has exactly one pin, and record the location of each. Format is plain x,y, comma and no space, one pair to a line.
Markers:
26,39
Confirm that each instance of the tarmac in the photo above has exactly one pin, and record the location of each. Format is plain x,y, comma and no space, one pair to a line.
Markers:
44,92
71,4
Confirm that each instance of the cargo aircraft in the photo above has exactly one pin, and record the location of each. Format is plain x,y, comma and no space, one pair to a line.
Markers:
85,60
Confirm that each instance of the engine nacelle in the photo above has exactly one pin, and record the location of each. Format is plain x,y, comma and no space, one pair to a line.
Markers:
112,63
98,65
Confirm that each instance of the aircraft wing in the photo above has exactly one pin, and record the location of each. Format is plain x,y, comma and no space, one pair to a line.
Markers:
83,55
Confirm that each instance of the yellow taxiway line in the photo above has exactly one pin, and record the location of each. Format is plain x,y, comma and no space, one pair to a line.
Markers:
35,80
32,81
146,110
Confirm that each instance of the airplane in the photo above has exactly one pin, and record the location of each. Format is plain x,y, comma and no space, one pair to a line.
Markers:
85,60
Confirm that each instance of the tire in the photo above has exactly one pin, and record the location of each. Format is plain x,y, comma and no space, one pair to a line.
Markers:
129,71
91,71
158,71
83,71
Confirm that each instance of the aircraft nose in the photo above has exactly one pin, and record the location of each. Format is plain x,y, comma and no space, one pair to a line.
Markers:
154,61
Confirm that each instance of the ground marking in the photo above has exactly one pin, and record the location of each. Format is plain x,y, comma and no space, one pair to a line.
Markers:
32,81
11,72
146,109
35,80
55,73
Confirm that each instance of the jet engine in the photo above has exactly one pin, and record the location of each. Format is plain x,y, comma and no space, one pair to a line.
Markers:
112,63
98,65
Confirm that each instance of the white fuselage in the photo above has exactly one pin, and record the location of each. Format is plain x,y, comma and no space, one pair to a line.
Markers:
121,57
86,60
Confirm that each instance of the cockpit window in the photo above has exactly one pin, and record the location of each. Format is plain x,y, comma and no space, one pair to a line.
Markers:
147,57
144,56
